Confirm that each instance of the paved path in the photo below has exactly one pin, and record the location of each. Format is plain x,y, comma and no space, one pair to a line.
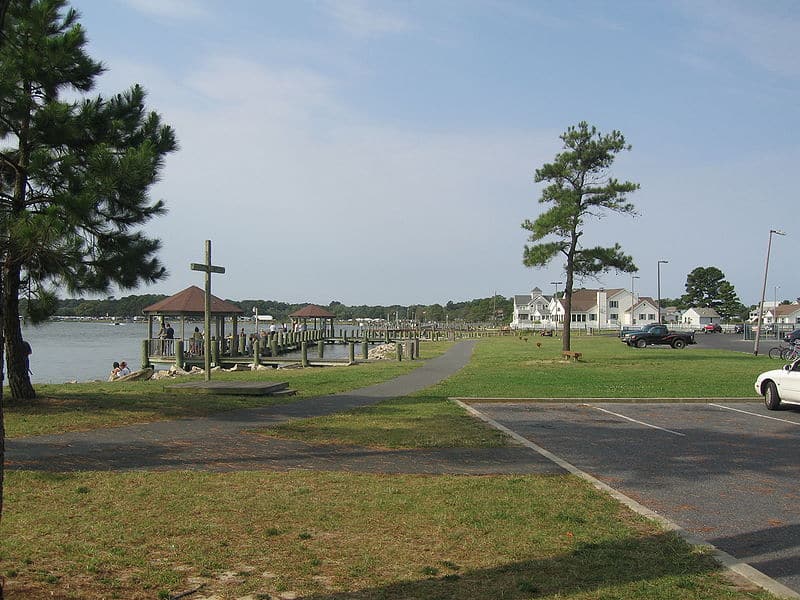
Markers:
226,442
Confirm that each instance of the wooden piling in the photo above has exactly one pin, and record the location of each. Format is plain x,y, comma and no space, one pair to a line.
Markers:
304,353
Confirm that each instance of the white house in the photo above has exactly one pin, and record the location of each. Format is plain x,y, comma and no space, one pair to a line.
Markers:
644,312
697,317
531,309
788,314
595,308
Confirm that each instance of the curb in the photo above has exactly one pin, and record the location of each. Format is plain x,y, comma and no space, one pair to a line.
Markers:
728,561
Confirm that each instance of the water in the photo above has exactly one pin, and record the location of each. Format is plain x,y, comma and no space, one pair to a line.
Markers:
83,351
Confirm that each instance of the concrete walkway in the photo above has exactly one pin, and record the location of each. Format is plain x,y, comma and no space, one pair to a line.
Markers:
226,442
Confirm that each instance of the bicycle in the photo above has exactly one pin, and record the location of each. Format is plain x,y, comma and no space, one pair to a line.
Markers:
791,353
777,351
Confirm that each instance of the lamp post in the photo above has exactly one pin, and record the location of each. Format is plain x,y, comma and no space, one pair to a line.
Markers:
764,291
661,262
633,298
556,283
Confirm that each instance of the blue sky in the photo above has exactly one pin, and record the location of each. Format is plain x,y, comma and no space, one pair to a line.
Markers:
384,152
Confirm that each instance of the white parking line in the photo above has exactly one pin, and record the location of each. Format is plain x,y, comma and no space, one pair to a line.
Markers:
755,414
635,421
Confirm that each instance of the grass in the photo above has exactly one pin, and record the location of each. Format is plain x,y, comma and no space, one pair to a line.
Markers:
74,407
325,536
347,536
511,368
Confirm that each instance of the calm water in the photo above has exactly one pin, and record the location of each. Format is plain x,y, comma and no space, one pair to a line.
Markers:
67,351
83,351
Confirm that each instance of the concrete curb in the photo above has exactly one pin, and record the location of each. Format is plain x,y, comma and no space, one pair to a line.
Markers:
731,563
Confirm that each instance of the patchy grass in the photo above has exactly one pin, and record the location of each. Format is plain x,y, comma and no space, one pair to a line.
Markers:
74,407
328,536
509,367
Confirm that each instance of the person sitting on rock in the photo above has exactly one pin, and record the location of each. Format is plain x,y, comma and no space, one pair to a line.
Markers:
123,369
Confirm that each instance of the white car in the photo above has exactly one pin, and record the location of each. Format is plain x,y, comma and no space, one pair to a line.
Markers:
780,386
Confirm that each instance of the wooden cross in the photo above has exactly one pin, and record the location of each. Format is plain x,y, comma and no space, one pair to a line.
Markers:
208,268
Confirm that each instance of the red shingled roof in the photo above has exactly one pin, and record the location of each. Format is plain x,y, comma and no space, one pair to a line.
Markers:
192,301
312,311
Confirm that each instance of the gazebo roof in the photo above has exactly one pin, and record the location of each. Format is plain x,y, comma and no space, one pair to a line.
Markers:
312,311
191,301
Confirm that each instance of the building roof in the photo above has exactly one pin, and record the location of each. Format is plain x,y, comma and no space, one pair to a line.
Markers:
582,300
784,310
704,312
191,301
312,311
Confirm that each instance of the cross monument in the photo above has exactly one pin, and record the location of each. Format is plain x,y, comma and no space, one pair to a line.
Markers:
208,268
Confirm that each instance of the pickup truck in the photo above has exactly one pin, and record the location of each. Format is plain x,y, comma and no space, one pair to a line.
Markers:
658,335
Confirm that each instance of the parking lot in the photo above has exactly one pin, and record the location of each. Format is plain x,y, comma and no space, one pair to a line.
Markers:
724,471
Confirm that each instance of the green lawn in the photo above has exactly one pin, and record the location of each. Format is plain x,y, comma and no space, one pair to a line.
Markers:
325,536
73,407
348,536
509,367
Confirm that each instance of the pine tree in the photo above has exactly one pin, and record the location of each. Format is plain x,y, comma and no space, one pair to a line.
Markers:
74,175
579,187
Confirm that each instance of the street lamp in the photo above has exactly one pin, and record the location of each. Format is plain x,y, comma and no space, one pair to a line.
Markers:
633,298
661,262
764,291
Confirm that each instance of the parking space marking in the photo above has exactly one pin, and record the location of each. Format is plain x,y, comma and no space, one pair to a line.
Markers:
635,421
754,414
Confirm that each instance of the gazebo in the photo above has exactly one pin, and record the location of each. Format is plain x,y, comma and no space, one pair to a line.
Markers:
319,314
190,304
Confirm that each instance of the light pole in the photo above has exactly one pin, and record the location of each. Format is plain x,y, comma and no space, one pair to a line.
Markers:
556,283
661,262
764,291
633,298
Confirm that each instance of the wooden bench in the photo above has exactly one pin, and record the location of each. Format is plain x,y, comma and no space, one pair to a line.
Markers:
573,355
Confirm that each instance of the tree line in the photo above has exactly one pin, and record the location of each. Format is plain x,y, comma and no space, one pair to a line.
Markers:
493,309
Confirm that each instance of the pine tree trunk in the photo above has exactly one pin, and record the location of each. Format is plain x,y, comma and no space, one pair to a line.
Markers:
19,380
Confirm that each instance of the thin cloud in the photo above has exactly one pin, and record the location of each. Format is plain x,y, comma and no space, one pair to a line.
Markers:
363,20
171,9
769,39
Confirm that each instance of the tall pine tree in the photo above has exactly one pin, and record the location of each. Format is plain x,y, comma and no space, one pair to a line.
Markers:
74,175
579,187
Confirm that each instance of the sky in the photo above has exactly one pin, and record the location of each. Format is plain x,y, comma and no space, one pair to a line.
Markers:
384,152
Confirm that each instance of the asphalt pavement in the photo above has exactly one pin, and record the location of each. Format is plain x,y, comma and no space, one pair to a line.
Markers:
725,472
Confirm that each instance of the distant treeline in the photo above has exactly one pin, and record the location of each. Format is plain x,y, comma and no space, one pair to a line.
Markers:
497,309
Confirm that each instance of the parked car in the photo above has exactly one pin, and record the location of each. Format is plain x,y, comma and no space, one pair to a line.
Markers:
792,336
713,328
658,334
780,386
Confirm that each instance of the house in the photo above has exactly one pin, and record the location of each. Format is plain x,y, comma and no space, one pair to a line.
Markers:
788,314
698,317
671,314
532,309
591,308
644,312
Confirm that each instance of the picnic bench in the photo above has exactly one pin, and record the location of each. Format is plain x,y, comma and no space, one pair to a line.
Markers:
573,355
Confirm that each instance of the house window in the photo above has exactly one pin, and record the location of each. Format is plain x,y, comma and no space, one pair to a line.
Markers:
613,316
642,317
579,318
593,317
613,304
651,317
523,317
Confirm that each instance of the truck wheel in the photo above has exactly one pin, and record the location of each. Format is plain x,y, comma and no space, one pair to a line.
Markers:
771,399
641,343
679,344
